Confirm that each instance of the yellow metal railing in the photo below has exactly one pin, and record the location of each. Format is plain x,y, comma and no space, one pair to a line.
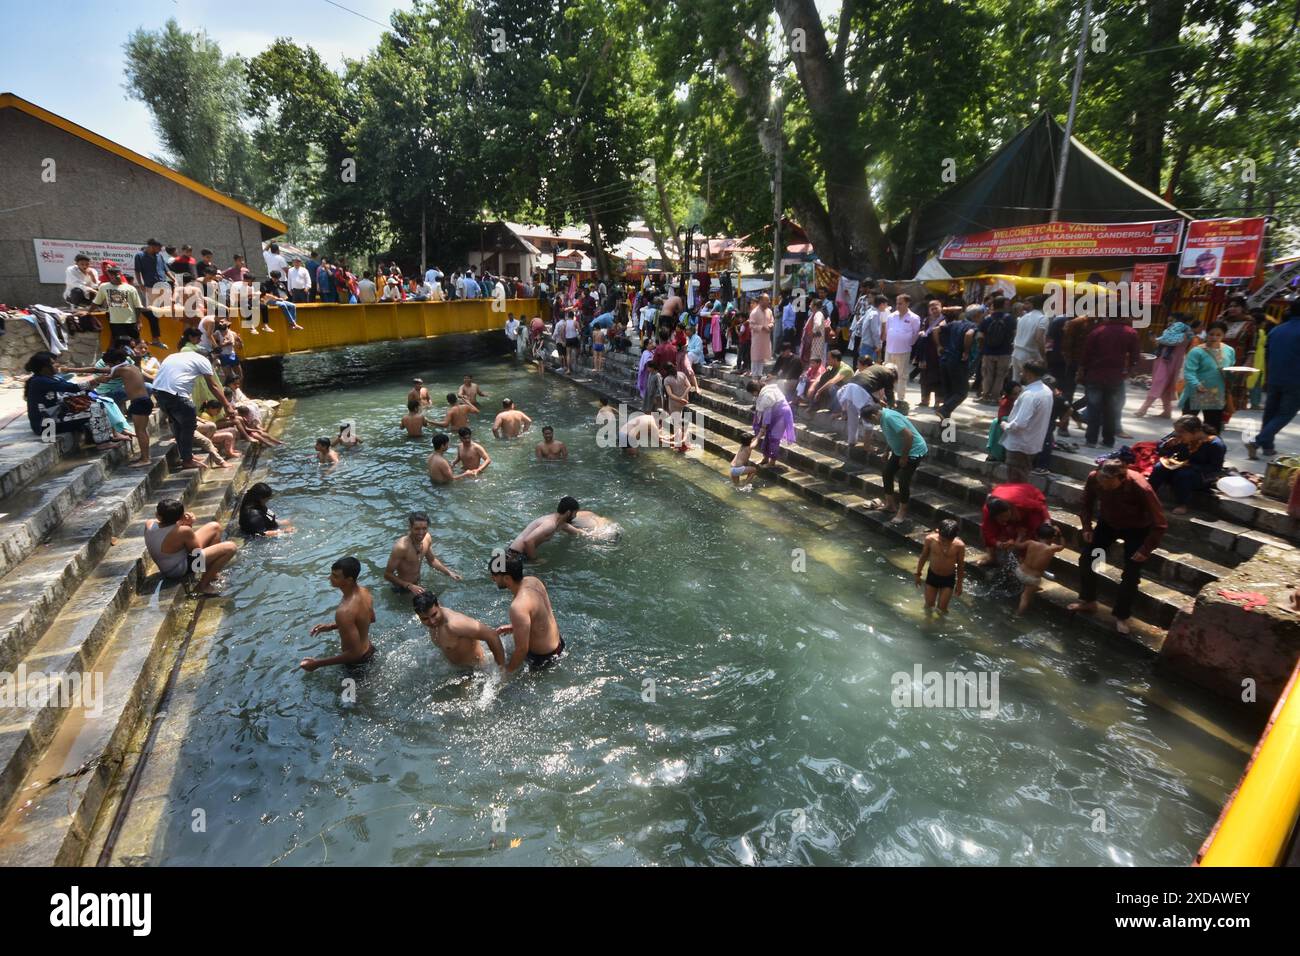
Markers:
328,325
1257,822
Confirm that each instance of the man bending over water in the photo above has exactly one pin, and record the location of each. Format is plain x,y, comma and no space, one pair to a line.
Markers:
458,636
470,455
352,619
548,449
510,421
532,620
409,554
541,529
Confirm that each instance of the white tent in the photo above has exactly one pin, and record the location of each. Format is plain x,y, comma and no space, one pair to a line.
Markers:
931,271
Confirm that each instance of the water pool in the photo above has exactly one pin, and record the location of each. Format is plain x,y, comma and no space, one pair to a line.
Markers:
716,704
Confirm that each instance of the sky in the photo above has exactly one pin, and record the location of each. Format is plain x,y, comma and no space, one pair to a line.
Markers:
67,57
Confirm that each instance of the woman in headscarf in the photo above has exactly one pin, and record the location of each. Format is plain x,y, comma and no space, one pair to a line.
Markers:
57,407
773,419
1012,513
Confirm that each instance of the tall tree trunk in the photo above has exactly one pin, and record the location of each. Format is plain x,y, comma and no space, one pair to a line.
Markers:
666,211
659,244
860,238
1157,91
598,243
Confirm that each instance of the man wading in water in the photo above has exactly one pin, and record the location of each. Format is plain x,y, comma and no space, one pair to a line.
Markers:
409,554
532,620
355,614
458,636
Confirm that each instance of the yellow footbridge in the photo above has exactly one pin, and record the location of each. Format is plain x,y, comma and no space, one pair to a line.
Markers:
329,325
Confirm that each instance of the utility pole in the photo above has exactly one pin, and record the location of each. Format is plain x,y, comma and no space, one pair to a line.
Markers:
1069,124
424,258
776,202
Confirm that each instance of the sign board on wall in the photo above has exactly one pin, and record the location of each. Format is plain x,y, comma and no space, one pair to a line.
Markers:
1222,249
53,256
1151,275
1063,239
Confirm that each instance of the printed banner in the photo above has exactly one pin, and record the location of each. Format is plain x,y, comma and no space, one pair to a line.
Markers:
1222,249
53,256
1152,276
1062,239
846,295
826,278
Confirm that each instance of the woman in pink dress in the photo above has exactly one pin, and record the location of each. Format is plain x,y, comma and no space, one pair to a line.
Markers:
1171,350
760,329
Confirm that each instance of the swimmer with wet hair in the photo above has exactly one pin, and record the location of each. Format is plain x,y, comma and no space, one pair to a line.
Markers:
540,530
440,472
470,455
458,414
459,636
510,421
409,555
597,527
414,420
946,555
548,449
352,619
419,393
325,453
532,619
348,437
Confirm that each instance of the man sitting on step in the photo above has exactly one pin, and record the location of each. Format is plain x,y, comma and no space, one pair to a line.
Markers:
178,548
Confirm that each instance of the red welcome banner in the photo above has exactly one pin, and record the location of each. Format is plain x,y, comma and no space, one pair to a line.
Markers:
1222,249
1064,239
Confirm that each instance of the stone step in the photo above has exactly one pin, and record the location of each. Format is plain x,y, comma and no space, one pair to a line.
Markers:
49,497
36,589
24,457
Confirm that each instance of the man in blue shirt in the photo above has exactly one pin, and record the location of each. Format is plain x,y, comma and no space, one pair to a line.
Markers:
1282,351
325,281
313,264
955,339
906,449
150,272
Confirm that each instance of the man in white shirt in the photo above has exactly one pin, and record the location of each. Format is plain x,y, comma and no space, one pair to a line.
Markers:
173,387
1030,344
901,331
274,261
366,291
1024,431
299,280
80,282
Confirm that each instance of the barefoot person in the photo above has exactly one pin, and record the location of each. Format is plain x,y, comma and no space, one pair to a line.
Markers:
410,553
178,548
458,414
1130,512
459,636
1035,558
548,449
139,402
414,420
510,421
946,555
741,467
906,450
470,455
541,529
532,619
352,619
439,467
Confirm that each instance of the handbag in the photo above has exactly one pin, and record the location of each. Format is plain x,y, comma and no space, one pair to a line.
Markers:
1280,475
75,404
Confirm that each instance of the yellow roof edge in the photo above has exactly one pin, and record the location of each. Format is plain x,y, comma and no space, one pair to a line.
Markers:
12,100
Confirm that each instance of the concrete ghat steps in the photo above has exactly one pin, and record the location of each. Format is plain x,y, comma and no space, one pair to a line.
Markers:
1225,543
852,492
36,589
968,478
1263,516
61,767
23,456
1156,603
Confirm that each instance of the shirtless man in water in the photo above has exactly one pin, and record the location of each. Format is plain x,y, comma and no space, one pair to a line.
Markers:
642,431
458,636
597,526
510,421
439,467
355,614
414,421
541,529
548,449
470,455
419,393
532,619
469,392
410,553
458,414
